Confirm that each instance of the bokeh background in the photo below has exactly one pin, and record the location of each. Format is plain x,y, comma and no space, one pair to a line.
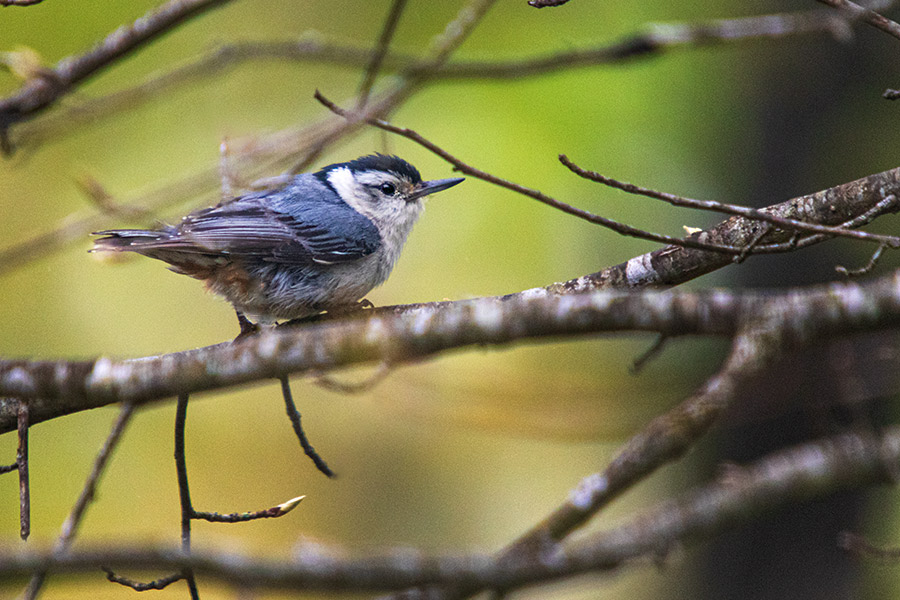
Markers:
467,451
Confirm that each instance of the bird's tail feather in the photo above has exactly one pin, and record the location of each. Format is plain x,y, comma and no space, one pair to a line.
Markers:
134,240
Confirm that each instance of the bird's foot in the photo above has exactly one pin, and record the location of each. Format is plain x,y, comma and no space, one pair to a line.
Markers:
248,328
301,321
333,312
350,309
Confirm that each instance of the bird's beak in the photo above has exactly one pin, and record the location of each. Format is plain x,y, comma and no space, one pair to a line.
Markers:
429,187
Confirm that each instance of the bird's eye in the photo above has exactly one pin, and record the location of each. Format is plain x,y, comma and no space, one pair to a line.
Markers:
387,189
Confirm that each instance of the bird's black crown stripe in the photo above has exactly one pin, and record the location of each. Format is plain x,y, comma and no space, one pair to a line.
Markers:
375,162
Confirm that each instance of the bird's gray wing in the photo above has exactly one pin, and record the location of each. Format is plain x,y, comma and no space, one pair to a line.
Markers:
252,227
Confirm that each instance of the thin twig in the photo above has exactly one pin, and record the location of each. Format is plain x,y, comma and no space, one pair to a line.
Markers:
187,512
754,243
139,586
888,204
268,513
546,3
22,464
294,415
664,439
673,265
866,15
70,527
864,270
184,490
19,2
800,474
657,39
728,209
462,167
100,197
381,48
859,545
38,93
638,364
345,387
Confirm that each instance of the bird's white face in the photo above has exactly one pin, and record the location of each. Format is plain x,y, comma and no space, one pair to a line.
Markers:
381,196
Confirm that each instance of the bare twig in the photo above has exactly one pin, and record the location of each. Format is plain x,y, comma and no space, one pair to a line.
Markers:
859,545
19,2
22,423
70,527
139,586
462,167
268,513
381,48
104,201
729,209
865,269
849,205
799,474
442,47
866,15
38,93
452,37
358,387
294,415
657,39
187,513
663,440
654,350
546,3
184,490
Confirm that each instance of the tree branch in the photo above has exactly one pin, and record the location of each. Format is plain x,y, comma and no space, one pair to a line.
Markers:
867,15
73,521
40,92
653,42
381,49
695,242
848,205
754,214
798,474
397,335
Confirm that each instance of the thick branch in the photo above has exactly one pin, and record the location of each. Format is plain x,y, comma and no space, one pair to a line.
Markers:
665,439
795,475
753,214
403,334
848,205
41,91
386,335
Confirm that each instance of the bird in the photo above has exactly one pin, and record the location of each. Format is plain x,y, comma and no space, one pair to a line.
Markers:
318,243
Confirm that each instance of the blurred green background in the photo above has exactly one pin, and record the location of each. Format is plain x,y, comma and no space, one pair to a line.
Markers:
468,451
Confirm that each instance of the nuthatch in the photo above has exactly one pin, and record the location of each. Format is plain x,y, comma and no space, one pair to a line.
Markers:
321,242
